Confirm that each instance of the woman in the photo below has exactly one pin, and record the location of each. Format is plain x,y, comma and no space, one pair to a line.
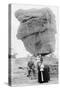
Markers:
43,72
40,71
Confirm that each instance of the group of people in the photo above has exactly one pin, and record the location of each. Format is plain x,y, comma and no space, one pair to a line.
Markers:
43,71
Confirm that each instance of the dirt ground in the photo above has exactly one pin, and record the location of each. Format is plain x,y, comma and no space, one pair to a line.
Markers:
19,76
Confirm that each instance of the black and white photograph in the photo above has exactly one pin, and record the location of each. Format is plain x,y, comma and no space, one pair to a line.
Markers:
33,45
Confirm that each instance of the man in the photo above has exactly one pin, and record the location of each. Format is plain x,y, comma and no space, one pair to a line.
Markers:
31,68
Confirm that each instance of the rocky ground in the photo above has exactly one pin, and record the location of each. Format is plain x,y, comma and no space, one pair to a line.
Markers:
19,75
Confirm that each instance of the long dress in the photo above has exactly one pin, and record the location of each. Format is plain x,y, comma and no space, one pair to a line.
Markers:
43,74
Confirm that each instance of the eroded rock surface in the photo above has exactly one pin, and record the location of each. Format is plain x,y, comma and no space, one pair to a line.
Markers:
37,30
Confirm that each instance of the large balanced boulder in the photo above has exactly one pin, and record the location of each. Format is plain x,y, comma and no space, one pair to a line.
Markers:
37,30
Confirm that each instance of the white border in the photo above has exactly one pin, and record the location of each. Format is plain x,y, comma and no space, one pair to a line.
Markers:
4,43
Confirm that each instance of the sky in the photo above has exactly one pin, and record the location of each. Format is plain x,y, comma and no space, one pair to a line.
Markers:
17,45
